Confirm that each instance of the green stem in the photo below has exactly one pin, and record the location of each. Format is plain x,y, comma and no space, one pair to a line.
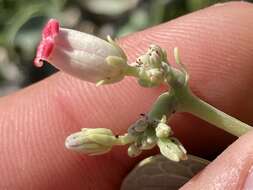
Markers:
124,140
164,105
188,102
132,71
182,99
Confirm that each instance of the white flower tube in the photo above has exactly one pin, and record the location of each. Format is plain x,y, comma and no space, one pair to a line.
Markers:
81,55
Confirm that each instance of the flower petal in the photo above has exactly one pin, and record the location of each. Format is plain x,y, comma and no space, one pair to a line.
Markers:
45,48
51,29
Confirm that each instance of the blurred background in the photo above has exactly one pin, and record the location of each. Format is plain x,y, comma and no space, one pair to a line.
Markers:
22,20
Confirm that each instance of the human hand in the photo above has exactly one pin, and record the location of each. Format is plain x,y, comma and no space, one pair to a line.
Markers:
216,47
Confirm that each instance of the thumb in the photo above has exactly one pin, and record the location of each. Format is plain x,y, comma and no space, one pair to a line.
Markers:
231,170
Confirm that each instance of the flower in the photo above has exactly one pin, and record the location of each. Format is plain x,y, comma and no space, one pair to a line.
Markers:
81,55
91,141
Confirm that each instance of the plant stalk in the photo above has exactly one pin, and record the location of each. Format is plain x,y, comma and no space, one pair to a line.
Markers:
188,102
164,105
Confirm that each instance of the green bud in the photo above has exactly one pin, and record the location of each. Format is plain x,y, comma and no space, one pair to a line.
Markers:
156,75
163,130
164,119
141,125
143,60
151,69
156,55
171,150
178,143
151,140
148,143
131,131
150,77
91,141
133,150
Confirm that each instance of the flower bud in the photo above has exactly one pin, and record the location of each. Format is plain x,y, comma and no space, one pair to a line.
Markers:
151,140
156,55
141,125
179,144
91,141
163,130
131,131
171,150
133,150
156,76
147,143
81,55
151,69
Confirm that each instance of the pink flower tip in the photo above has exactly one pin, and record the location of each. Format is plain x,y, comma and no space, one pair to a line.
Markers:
50,31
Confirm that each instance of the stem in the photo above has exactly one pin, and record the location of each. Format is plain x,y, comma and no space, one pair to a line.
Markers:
188,102
182,99
132,71
124,140
164,105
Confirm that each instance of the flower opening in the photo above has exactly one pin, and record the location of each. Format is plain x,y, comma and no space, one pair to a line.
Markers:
50,31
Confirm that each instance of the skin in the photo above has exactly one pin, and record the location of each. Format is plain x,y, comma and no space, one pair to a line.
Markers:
216,45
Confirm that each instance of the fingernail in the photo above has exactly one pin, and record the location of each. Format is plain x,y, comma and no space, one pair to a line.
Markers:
249,180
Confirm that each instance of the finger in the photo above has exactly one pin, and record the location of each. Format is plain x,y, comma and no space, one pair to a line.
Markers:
231,170
35,121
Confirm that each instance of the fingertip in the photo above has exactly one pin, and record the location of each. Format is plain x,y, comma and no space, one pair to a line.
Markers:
215,45
229,170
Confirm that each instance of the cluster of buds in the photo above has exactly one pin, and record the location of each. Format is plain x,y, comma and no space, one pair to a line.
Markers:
144,134
151,67
149,133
